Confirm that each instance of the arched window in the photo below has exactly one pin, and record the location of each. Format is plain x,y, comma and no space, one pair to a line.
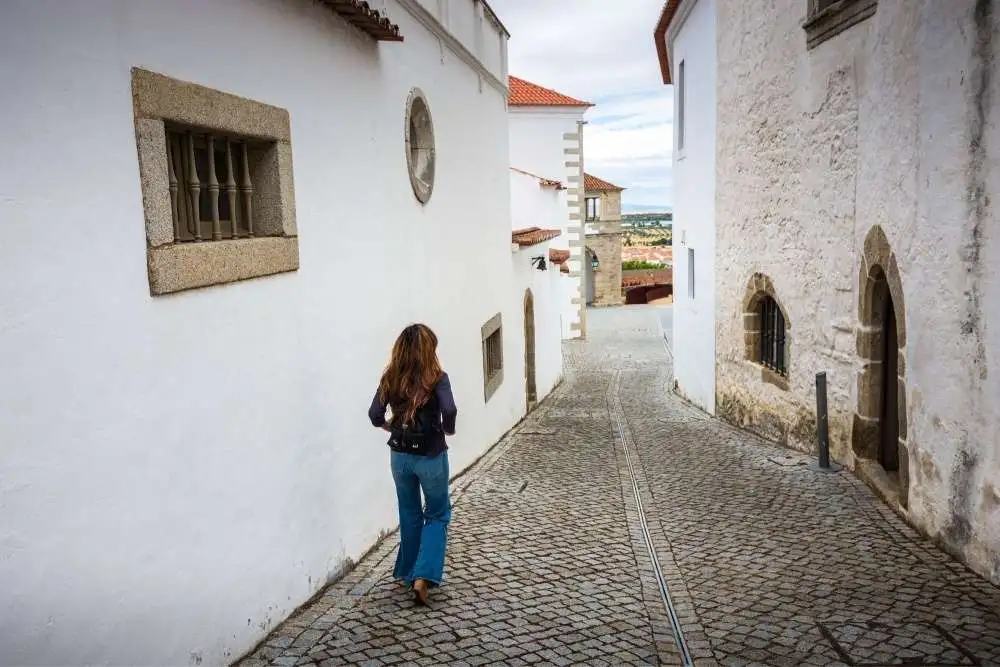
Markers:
767,332
772,336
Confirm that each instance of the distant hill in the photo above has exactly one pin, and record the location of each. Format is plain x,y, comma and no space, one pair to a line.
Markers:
639,220
637,208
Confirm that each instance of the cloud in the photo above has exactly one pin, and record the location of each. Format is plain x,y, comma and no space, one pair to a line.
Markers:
603,52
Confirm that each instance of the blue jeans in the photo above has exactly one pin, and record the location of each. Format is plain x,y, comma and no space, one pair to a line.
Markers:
423,531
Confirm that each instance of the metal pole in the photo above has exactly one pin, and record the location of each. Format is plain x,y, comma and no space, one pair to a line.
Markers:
822,422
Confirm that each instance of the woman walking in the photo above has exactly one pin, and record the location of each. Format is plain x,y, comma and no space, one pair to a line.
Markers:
423,411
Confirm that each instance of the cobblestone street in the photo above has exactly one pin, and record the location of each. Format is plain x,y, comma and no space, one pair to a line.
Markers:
617,526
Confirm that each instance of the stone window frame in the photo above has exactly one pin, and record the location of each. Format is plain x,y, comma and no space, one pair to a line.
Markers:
825,19
760,285
596,208
159,102
417,138
492,345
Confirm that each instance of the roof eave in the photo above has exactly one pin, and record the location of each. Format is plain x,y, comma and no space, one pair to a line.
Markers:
660,38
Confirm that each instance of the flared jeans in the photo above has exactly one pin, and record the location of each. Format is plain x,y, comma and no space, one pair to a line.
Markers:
423,527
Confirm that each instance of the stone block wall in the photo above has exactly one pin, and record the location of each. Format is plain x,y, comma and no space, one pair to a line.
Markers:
608,277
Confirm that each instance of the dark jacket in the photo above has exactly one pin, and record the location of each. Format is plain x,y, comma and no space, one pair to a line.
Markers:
448,414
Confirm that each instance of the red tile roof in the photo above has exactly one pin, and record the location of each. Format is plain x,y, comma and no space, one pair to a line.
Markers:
526,94
533,236
544,182
366,18
557,256
595,184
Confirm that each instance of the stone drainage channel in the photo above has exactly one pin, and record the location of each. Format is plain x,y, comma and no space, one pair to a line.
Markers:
623,439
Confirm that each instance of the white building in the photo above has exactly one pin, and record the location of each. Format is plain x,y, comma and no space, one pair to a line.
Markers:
185,451
691,68
546,151
854,147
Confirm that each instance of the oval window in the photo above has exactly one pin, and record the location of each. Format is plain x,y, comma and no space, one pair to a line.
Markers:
420,145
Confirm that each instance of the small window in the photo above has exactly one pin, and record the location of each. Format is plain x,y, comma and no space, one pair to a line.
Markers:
691,272
420,156
593,208
772,336
680,106
826,19
217,189
492,336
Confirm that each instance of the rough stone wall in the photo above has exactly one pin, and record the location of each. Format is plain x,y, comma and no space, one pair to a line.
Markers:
891,123
608,277
607,244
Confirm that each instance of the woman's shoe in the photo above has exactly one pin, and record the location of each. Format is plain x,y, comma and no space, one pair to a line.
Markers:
420,591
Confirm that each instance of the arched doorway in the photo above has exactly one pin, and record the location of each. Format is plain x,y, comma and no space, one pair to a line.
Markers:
879,433
888,446
530,387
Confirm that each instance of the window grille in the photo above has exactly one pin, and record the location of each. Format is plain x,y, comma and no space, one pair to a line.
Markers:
772,336
211,191
492,335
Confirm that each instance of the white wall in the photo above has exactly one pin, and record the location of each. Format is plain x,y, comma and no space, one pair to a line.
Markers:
179,473
545,288
535,206
536,146
694,203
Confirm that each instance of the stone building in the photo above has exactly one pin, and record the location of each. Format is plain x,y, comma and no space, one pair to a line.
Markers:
221,215
602,265
853,150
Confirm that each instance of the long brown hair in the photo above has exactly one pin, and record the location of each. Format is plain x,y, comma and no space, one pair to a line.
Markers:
412,372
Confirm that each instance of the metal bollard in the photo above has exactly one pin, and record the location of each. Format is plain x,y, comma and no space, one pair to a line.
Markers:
822,422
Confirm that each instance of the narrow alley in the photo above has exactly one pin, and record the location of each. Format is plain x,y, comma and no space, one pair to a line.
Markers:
617,525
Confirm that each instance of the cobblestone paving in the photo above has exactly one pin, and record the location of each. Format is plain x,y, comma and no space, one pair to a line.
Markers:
552,563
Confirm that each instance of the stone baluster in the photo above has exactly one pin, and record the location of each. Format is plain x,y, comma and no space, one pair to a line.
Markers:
246,188
213,188
231,189
194,187
172,177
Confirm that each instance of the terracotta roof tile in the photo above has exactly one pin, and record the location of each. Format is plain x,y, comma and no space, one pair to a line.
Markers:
533,236
526,94
366,18
557,256
595,184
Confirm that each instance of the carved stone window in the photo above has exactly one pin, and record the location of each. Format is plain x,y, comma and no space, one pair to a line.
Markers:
829,18
420,156
216,177
492,336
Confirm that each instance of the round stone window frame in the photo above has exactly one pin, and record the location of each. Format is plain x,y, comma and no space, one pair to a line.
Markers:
418,129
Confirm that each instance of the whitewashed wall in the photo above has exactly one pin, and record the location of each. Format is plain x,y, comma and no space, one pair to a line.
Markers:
536,146
693,41
179,473
535,206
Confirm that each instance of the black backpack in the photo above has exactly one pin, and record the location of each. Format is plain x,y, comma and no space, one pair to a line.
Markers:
422,434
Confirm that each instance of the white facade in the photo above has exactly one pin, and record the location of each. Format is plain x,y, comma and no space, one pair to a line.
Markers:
180,472
692,46
537,146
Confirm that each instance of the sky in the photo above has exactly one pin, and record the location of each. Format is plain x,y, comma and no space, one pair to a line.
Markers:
602,51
